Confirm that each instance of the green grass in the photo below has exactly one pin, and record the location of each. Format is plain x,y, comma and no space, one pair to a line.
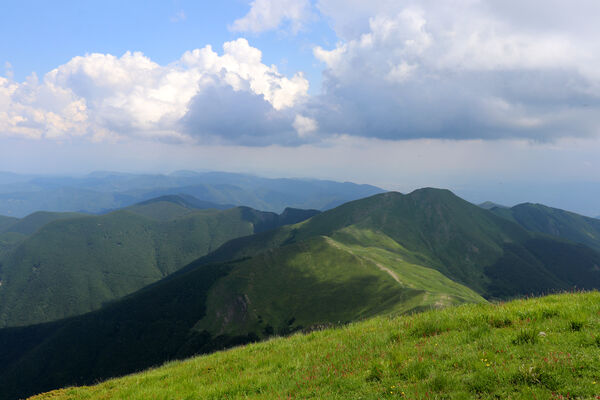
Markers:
321,280
525,349
384,255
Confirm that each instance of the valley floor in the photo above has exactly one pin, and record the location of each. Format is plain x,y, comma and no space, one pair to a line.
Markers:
541,348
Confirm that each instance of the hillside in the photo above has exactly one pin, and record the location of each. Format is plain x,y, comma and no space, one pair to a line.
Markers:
31,223
538,348
555,222
317,282
6,222
75,265
436,229
384,255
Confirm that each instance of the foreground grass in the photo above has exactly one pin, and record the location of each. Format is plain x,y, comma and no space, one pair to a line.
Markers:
543,348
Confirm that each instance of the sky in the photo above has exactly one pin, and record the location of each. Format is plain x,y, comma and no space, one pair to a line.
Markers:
487,97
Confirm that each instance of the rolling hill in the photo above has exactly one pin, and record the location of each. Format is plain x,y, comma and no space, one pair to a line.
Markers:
6,222
555,222
31,223
387,254
77,263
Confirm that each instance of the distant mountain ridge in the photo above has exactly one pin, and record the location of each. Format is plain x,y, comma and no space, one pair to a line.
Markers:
555,222
100,192
488,205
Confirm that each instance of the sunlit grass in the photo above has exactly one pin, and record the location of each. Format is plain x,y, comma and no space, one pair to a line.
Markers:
542,348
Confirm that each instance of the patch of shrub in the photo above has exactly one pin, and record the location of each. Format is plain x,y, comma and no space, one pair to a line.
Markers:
416,371
375,373
499,322
526,336
477,332
550,313
439,383
482,382
395,337
534,376
430,328
576,326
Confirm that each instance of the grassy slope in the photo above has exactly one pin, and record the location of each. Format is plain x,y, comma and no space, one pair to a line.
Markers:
314,282
382,255
492,255
76,265
472,351
333,267
555,222
321,280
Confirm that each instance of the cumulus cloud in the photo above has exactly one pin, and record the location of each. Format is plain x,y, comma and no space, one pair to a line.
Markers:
221,115
460,69
266,15
101,95
304,126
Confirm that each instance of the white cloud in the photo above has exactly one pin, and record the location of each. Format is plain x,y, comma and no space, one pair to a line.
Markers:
102,95
266,15
304,126
460,69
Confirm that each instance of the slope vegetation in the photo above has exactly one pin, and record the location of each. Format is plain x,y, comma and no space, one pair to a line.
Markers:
31,223
384,255
555,222
544,348
494,256
74,265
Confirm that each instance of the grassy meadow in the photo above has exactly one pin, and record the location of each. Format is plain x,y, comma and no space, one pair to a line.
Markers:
539,348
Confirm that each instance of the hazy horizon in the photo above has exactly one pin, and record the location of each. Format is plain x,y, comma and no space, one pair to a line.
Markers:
495,100
565,195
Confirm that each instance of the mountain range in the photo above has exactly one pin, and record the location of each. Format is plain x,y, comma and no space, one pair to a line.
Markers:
100,192
56,265
386,254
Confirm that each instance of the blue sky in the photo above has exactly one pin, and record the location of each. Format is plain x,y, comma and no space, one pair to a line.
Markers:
401,94
48,34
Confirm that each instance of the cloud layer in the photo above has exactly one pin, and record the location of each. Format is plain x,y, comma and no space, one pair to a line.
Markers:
103,96
458,69
265,15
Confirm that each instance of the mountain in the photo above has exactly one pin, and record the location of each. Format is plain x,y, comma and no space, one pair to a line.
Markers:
387,254
488,205
77,263
484,352
492,255
185,201
6,222
555,222
101,192
14,230
31,223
